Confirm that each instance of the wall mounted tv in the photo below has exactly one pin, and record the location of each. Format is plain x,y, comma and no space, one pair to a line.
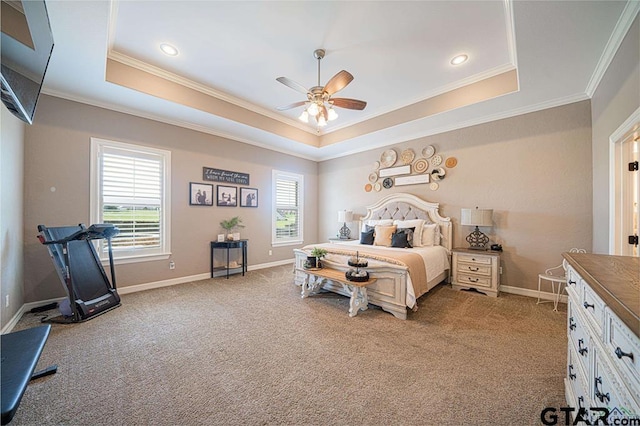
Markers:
27,44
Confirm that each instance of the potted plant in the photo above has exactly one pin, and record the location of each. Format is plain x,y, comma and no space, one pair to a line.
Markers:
316,254
230,225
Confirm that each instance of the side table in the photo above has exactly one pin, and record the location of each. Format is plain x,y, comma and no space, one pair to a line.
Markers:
228,245
477,269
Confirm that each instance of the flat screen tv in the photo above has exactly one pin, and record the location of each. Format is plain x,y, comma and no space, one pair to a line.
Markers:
27,44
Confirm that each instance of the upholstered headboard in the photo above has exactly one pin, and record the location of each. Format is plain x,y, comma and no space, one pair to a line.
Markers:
405,207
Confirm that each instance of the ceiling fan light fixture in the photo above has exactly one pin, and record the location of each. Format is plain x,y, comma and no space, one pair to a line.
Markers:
321,121
304,117
332,114
313,109
460,59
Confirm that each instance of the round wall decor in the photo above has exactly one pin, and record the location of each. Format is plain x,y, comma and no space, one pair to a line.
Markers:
421,165
388,158
387,183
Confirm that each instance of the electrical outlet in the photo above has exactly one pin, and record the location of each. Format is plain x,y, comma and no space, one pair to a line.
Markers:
501,270
172,265
270,252
6,301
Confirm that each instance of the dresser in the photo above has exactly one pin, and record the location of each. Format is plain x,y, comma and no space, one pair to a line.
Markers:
603,330
477,269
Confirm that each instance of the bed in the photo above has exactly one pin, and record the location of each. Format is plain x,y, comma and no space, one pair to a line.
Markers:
402,274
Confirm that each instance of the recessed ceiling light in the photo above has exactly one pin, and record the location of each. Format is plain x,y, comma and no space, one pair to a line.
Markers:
169,49
459,59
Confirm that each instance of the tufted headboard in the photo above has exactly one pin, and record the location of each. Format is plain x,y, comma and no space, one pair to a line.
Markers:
405,207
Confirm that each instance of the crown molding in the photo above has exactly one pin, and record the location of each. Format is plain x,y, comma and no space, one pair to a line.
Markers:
625,21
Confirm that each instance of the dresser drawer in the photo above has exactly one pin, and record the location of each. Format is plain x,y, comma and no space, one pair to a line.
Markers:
579,338
574,283
474,280
593,308
469,258
474,269
576,387
623,347
608,390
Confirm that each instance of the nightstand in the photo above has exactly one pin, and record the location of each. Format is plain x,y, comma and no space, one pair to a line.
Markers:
478,269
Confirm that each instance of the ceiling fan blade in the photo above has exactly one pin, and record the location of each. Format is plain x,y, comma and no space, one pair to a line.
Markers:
293,105
292,84
348,103
338,82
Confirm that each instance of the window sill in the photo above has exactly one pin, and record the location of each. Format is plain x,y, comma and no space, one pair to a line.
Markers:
286,243
139,258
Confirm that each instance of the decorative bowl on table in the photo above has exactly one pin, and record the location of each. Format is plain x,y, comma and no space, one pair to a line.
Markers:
356,275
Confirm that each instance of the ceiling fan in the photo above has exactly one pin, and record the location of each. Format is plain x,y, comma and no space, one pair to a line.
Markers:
318,97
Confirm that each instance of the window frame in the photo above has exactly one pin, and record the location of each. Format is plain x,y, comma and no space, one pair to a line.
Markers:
299,239
98,147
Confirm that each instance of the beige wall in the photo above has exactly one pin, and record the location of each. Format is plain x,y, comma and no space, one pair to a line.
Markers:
11,214
617,97
57,149
533,170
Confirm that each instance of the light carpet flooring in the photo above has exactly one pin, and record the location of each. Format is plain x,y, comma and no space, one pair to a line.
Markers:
250,351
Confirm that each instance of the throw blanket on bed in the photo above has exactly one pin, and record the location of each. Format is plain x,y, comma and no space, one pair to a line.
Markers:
412,261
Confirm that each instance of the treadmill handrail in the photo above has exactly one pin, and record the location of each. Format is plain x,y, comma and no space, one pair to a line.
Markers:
94,232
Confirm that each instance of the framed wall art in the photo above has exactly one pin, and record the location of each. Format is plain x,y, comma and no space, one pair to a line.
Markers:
248,197
227,196
200,194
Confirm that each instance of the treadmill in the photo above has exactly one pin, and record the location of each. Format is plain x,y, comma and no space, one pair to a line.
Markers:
87,286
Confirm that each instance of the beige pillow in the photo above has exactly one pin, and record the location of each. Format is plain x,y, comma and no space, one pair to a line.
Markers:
383,235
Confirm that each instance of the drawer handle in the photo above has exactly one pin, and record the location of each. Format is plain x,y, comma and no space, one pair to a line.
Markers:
572,325
473,280
572,282
620,354
571,375
601,396
473,269
581,402
581,350
587,306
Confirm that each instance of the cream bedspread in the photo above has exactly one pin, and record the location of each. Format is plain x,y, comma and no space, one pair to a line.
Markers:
423,263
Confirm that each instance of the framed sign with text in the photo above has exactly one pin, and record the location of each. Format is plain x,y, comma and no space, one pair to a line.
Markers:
218,175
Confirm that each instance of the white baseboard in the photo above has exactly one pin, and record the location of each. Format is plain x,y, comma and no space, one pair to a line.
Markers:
532,293
26,308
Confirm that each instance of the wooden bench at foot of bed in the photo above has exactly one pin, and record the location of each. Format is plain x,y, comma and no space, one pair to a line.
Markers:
315,279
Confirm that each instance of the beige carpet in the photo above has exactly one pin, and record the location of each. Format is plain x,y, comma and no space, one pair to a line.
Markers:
249,350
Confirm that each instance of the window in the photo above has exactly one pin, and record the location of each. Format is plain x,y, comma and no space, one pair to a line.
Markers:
130,189
287,208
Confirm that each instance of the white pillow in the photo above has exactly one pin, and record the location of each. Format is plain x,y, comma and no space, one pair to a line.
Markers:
413,223
373,223
431,235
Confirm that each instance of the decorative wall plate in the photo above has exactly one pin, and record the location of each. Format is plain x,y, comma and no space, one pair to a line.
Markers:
376,165
407,156
388,158
429,151
377,187
373,177
451,162
387,183
434,186
438,174
436,161
421,165
368,187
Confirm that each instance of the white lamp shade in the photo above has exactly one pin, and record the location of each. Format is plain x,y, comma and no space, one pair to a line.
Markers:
477,217
345,216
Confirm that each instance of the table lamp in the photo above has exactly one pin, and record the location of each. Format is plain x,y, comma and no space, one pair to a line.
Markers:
345,216
477,217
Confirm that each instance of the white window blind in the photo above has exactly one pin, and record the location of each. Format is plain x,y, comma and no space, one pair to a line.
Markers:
288,208
131,193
